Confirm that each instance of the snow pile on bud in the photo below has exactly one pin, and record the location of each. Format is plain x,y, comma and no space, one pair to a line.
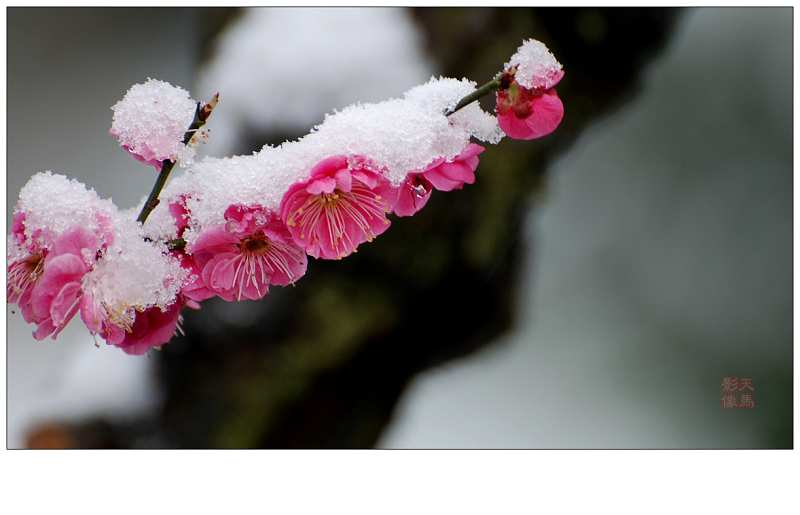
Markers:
53,203
535,65
151,122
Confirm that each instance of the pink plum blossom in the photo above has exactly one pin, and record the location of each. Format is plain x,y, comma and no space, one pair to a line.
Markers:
151,328
341,206
451,175
440,174
24,268
30,250
527,105
251,251
55,297
134,329
22,277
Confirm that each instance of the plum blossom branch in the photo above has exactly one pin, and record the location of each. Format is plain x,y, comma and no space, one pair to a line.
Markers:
235,226
152,200
490,87
176,244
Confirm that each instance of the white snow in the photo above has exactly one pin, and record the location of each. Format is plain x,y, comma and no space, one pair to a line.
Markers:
535,65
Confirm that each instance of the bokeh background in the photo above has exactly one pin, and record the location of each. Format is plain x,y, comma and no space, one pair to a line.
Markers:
591,290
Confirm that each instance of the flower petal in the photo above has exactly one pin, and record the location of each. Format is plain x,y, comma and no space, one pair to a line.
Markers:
548,112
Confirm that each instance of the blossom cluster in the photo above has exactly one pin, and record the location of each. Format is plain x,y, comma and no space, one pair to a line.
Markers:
233,227
70,252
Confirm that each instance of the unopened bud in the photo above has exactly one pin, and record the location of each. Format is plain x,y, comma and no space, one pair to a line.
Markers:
205,111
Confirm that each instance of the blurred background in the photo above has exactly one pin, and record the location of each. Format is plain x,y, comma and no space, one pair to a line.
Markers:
591,290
